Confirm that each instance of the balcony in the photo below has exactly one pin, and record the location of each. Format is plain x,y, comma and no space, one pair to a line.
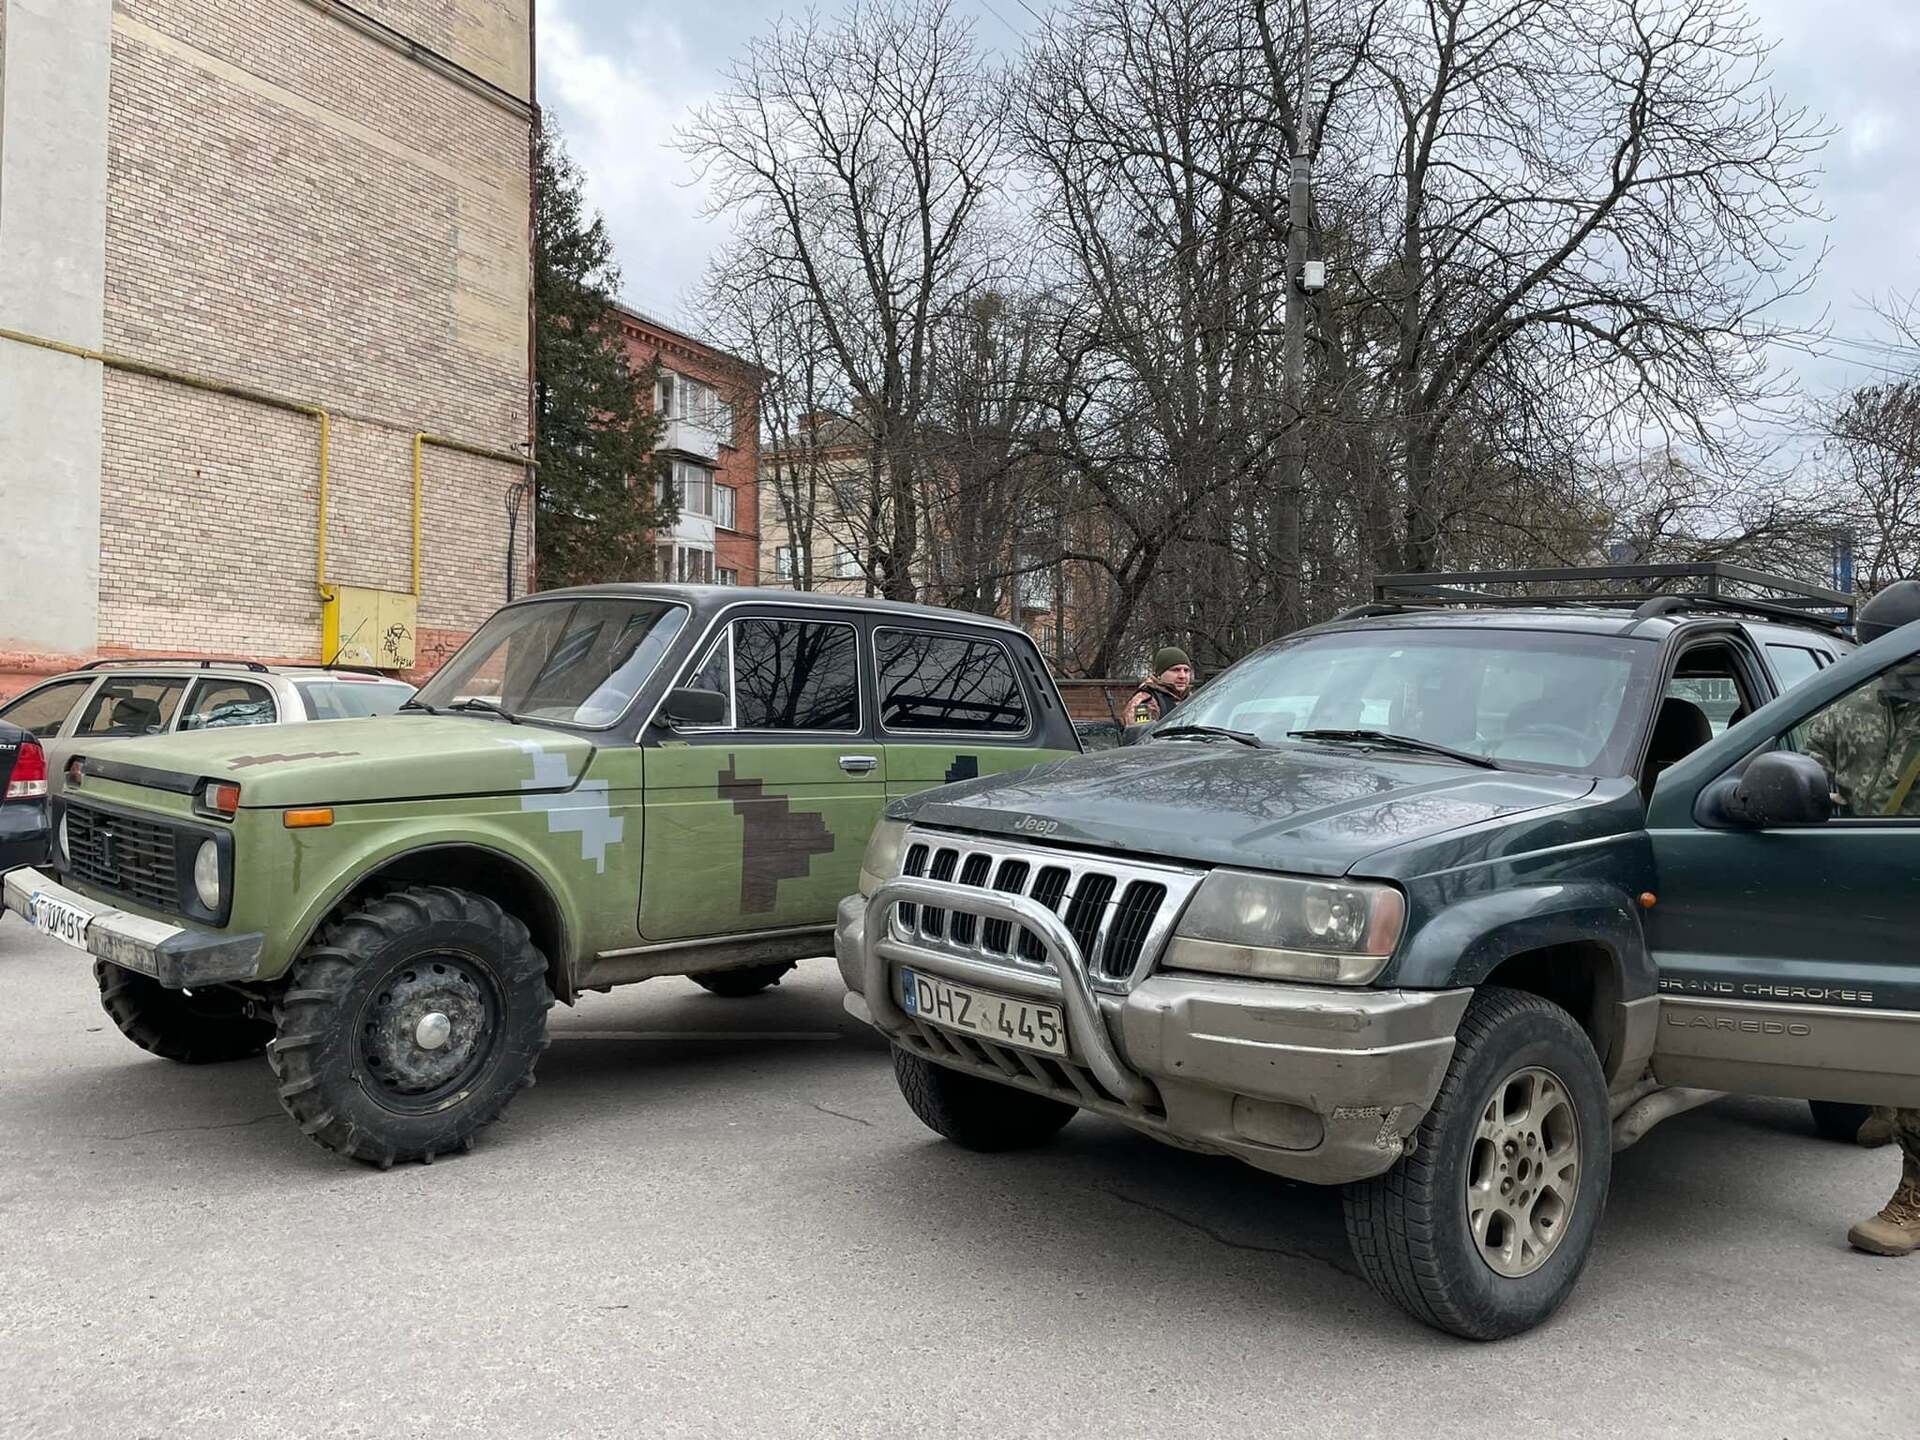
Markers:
690,437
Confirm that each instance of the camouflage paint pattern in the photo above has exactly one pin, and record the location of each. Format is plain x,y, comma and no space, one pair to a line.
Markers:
753,836
913,766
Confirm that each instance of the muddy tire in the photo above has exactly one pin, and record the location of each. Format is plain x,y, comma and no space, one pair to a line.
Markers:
201,1027
748,980
1836,1121
976,1113
1484,1229
407,1026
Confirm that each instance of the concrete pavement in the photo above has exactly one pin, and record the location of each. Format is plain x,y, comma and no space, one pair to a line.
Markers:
716,1218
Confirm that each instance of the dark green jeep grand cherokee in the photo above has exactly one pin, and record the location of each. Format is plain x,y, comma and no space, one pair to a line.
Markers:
1437,902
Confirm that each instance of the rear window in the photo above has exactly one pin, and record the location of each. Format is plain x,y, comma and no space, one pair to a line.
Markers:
1793,664
350,699
930,681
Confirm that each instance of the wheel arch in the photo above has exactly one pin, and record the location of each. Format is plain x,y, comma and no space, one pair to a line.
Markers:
505,879
1580,946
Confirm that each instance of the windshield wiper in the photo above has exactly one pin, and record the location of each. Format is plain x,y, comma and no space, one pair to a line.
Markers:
1388,740
410,703
1208,732
472,703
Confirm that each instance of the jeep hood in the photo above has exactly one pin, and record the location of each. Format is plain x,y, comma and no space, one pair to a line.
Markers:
346,762
1295,807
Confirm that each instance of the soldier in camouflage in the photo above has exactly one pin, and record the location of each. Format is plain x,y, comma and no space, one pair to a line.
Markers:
1870,743
1169,684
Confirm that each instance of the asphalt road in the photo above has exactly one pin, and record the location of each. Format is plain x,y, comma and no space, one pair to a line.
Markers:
716,1218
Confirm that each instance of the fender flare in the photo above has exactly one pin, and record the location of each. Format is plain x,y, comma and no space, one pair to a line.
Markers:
1466,942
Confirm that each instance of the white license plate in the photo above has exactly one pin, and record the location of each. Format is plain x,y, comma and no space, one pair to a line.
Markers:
61,920
1000,1018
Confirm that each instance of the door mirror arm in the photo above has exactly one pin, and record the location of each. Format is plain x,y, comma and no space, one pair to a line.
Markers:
1777,788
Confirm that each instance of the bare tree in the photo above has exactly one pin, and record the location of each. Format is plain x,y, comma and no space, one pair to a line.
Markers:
859,155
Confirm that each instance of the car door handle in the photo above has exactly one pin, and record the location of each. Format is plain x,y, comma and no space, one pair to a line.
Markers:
857,764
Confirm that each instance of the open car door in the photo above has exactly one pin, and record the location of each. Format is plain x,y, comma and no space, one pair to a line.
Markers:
1785,925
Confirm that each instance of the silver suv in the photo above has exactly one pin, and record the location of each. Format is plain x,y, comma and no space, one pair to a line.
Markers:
121,698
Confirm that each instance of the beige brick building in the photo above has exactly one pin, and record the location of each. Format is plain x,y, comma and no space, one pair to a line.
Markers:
242,215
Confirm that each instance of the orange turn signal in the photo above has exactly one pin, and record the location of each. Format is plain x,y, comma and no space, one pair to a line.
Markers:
309,819
1648,899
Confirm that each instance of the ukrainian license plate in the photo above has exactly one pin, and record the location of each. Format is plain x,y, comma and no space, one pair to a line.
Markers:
61,920
1000,1018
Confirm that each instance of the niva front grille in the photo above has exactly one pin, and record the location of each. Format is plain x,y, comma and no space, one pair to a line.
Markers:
1118,912
133,857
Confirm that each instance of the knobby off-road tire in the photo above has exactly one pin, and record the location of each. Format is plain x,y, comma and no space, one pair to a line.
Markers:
1411,1229
976,1113
748,980
1837,1121
202,1027
407,1026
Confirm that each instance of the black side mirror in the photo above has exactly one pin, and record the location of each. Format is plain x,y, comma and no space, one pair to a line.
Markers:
1777,788
694,707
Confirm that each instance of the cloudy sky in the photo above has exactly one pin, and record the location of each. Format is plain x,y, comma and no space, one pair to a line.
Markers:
620,75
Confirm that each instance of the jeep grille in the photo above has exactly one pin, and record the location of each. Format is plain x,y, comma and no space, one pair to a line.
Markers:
1119,912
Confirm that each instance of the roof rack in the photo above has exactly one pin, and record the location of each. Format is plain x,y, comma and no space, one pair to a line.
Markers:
197,660
1649,590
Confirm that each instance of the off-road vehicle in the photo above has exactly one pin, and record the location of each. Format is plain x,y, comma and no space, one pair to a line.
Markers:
1432,902
601,786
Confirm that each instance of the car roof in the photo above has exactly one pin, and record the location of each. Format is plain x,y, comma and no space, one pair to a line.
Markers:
707,599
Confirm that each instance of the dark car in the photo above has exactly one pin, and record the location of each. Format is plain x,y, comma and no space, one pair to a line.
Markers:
24,833
1432,902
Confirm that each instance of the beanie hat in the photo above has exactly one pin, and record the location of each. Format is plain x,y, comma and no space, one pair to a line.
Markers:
1168,656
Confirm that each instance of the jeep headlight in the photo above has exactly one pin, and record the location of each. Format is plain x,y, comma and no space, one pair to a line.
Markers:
1275,927
882,862
206,875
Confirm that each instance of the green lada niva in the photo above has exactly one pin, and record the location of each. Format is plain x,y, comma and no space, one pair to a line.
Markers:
603,785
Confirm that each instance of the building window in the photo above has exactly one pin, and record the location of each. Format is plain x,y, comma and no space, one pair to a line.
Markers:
724,501
850,494
846,564
784,562
724,576
696,565
681,397
693,490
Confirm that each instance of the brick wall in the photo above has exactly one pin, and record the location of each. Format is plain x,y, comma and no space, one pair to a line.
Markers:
297,208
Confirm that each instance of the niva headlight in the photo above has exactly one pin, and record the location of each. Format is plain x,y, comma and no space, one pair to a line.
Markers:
882,861
1276,927
206,875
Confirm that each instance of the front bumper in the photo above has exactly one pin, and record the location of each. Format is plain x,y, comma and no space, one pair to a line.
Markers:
1314,1082
176,957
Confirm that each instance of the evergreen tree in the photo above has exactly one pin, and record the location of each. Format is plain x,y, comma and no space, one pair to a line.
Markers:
597,434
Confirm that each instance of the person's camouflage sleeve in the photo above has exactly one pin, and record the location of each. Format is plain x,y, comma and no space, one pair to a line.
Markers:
1143,709
1869,747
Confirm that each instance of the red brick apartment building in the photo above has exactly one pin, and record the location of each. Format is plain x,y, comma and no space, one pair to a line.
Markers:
712,445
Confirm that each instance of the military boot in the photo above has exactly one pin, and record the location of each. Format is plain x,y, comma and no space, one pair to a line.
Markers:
1877,1129
1896,1229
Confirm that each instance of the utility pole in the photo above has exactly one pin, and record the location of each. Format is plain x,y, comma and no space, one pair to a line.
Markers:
1293,455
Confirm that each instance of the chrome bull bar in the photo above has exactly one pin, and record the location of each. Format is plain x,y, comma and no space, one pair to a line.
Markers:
1069,981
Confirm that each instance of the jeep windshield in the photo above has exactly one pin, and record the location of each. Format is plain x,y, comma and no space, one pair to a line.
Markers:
562,662
1525,697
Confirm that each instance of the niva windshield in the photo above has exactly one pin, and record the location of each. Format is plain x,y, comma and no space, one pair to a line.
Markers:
568,662
1563,702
